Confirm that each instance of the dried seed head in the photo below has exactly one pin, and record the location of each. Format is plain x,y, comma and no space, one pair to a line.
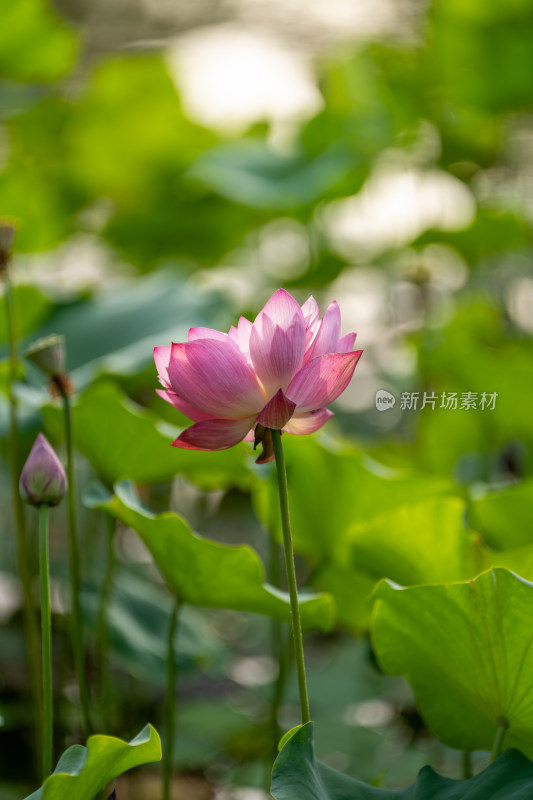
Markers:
48,354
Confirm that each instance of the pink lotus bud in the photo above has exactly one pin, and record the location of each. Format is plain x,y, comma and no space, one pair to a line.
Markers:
43,478
48,354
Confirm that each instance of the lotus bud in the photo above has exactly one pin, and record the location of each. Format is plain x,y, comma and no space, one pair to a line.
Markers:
48,354
43,478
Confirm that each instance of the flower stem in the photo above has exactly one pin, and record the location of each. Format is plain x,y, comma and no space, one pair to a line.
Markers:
102,634
291,575
74,570
278,654
31,628
170,716
46,633
276,650
467,764
498,739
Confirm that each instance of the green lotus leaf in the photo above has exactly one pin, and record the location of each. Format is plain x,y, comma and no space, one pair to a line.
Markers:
401,545
205,573
298,773
466,649
82,772
254,174
357,490
503,517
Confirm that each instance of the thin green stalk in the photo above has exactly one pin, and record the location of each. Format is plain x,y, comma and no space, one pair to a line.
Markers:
277,650
102,631
291,575
170,707
498,739
467,764
284,659
74,570
46,634
31,628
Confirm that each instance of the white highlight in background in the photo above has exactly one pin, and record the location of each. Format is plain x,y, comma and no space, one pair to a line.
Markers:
230,78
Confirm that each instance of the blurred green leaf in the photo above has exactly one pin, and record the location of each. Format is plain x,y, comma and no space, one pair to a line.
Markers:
30,307
210,724
298,773
138,618
182,221
465,649
474,354
251,173
402,544
123,440
114,331
37,184
357,113
81,772
504,517
496,40
332,485
128,130
205,573
493,231
35,44
351,588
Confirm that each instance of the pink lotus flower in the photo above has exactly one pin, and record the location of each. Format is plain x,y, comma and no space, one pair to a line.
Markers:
279,372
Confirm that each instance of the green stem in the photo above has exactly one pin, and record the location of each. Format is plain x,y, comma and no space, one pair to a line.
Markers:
31,628
46,632
467,765
291,576
498,739
74,570
276,647
277,650
102,634
170,715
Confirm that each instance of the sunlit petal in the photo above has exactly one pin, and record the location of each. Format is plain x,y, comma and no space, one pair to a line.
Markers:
214,377
322,380
346,343
206,333
214,434
328,334
162,358
310,422
277,342
178,402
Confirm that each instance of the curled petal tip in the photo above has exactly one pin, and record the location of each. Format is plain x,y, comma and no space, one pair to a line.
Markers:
268,447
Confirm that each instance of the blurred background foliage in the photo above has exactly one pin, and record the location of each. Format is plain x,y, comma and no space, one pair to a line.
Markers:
171,165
